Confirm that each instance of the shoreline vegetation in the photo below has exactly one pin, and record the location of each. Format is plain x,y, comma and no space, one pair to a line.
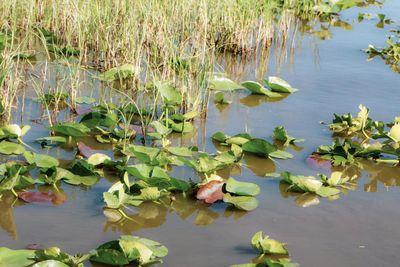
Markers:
178,42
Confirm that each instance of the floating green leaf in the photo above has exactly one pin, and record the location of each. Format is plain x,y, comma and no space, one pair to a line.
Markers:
41,160
246,203
16,258
266,245
258,89
129,249
119,72
241,188
98,158
221,83
169,94
279,85
71,129
9,148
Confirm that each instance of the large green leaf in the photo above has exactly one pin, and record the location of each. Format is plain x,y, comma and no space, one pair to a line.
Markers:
119,72
279,85
129,249
259,147
258,89
266,245
9,148
50,263
98,158
246,203
169,94
41,160
94,119
16,258
71,129
182,127
180,151
143,153
110,256
221,83
241,188
395,132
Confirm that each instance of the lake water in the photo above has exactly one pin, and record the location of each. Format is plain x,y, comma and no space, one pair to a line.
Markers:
359,229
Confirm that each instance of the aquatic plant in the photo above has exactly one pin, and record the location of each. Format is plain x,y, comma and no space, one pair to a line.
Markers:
125,250
390,54
268,249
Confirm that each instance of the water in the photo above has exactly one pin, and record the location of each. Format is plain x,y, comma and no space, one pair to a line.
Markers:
359,229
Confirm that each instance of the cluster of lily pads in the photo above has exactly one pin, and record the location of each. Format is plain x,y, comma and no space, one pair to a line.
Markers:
273,87
308,189
272,253
136,251
126,250
391,53
143,169
362,137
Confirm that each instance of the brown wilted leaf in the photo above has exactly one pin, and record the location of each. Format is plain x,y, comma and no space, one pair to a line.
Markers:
211,192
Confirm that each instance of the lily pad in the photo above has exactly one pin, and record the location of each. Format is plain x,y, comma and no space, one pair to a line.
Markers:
119,72
279,85
98,158
129,249
71,129
41,160
241,188
259,147
16,258
9,148
246,203
221,83
169,94
258,89
266,245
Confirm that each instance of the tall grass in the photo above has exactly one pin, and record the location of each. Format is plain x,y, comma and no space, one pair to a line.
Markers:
173,40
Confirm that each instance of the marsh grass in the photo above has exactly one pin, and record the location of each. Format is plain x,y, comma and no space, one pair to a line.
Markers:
170,40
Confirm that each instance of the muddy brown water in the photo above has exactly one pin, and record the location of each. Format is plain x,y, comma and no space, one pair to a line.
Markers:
359,229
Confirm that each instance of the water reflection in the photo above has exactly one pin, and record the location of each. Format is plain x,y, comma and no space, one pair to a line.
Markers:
45,195
256,100
374,173
151,214
7,222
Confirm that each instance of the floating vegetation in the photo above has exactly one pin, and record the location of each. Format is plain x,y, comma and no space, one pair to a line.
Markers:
126,250
239,194
357,134
256,146
273,87
382,20
321,186
272,253
281,135
390,54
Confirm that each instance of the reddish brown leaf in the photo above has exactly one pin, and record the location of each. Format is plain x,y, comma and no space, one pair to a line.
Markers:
211,192
315,162
42,197
82,111
85,150
131,127
34,246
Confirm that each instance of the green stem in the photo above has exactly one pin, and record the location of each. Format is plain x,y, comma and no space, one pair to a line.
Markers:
14,193
166,117
55,187
127,217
